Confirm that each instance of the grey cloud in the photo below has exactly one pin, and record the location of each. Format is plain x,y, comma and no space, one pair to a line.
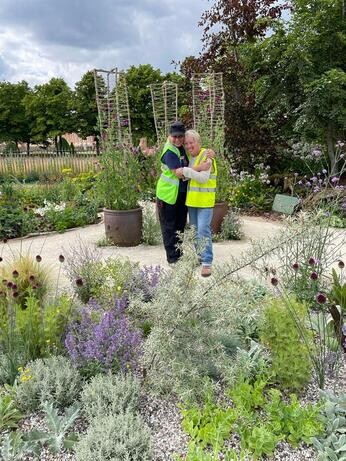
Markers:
81,24
45,38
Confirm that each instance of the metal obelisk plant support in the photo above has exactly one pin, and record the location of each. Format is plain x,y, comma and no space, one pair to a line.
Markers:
113,107
208,101
164,98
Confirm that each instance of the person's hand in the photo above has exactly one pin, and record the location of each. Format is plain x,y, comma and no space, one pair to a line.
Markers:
205,165
210,153
179,173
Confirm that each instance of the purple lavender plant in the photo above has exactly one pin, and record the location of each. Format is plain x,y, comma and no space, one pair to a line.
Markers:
144,283
104,338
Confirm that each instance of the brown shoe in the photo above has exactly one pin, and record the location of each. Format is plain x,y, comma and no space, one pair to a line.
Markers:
206,271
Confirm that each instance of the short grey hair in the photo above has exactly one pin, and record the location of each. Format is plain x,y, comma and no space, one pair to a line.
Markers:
193,134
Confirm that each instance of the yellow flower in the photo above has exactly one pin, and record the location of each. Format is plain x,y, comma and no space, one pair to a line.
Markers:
119,288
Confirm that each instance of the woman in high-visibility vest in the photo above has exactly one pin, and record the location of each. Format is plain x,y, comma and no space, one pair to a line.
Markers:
200,198
171,191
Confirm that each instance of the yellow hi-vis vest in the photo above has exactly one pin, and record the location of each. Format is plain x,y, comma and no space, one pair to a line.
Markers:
168,184
202,195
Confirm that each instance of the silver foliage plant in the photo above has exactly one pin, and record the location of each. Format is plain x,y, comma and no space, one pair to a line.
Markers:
191,322
190,317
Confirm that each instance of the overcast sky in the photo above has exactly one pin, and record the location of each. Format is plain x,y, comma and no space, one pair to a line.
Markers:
41,39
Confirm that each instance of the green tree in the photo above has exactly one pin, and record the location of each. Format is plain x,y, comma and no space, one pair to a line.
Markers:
50,109
86,107
14,122
231,30
302,85
141,110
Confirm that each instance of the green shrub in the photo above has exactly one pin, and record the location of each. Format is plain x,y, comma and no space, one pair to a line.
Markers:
15,222
100,279
331,445
23,276
109,395
151,226
54,380
30,333
122,437
291,364
231,227
9,414
14,447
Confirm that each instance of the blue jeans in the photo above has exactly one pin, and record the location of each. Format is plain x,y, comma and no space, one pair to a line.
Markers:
200,218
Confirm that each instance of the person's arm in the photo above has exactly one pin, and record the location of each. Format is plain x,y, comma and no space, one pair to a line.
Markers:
173,163
199,176
203,166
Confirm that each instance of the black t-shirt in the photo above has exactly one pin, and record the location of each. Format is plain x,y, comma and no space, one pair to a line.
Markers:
172,161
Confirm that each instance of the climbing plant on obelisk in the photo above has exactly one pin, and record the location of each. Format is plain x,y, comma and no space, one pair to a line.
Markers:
113,107
208,102
164,98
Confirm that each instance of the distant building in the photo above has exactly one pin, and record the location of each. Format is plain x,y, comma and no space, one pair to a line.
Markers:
88,143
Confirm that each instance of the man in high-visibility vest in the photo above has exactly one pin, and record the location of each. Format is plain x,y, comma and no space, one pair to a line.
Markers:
200,197
171,191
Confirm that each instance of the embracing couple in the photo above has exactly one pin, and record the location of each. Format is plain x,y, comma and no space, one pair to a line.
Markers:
187,184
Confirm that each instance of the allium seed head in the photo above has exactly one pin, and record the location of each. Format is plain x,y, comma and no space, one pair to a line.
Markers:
61,258
31,278
295,266
313,276
38,258
15,294
321,298
15,274
274,281
9,284
341,264
79,282
312,261
14,286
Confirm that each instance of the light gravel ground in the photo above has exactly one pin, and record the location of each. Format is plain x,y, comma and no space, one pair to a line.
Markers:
50,246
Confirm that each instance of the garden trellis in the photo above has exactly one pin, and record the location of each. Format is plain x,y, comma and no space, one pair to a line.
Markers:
113,107
209,106
164,98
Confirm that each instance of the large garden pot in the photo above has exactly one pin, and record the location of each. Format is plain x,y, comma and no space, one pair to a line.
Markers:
123,227
220,211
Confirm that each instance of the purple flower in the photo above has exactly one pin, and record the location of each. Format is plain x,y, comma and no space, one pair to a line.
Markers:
105,337
308,184
145,281
335,179
316,153
313,179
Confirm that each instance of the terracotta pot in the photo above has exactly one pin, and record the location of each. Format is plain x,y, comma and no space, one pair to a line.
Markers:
124,227
220,211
